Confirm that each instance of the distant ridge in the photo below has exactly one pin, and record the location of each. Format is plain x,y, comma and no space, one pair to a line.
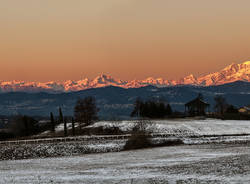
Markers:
231,73
114,101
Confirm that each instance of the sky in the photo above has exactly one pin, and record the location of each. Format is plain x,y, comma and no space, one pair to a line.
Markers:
44,40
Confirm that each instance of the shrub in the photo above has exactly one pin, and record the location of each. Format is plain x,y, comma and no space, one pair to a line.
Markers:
140,137
138,141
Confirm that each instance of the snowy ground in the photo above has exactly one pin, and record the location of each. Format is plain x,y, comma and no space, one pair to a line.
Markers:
178,127
207,163
187,127
180,164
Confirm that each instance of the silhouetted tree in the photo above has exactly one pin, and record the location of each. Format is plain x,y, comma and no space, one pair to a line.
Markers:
23,126
152,108
137,108
220,104
162,110
73,126
52,121
60,115
169,110
65,127
86,111
63,120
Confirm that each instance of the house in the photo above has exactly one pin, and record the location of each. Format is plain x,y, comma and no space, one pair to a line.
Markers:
245,110
196,107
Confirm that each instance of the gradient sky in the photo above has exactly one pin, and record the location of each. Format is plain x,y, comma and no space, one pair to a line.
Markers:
43,40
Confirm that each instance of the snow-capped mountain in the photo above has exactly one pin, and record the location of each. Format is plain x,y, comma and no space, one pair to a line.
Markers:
231,73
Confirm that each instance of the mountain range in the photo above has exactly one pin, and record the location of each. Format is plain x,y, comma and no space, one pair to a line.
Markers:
231,73
118,102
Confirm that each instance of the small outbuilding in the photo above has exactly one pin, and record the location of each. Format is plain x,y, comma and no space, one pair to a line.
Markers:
196,107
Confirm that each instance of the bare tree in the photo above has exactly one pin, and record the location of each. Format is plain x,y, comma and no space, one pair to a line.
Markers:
73,126
60,115
23,126
52,121
63,120
140,135
86,111
65,127
137,108
153,108
220,104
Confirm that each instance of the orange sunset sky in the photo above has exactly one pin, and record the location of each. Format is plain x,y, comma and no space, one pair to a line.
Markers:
43,40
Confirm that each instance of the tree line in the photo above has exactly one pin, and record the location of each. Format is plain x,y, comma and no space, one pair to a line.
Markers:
222,107
86,113
151,109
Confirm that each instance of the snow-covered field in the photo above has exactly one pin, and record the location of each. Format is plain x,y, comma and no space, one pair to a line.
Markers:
179,164
190,131
178,127
195,163
187,127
